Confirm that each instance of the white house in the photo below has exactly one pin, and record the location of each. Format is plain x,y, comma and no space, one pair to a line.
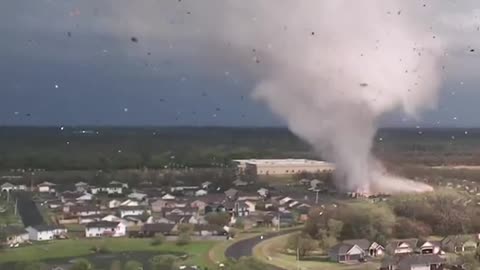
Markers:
81,186
262,192
83,210
137,196
15,235
168,197
85,197
206,184
131,211
7,187
201,192
129,202
45,232
105,228
113,218
46,187
115,183
114,189
114,203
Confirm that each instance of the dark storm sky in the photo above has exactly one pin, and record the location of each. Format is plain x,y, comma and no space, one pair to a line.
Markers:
97,75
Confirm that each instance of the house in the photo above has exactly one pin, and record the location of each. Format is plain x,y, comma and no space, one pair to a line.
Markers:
201,192
113,188
164,220
46,187
158,228
113,218
114,203
199,204
237,208
231,193
206,184
283,219
459,243
14,235
118,183
263,192
81,186
129,202
54,204
138,220
413,262
402,246
137,196
372,249
90,218
429,247
83,210
131,211
345,253
70,195
85,197
168,197
45,232
182,211
251,205
207,230
239,183
7,187
105,228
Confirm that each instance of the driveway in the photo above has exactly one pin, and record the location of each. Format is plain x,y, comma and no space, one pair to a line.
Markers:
245,247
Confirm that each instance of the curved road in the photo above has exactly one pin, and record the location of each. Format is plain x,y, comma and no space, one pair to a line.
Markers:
244,248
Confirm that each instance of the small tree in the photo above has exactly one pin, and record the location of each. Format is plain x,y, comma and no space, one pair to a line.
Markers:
220,219
185,228
302,243
183,239
158,240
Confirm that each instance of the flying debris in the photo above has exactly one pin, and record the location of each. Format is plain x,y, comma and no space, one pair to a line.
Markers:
69,34
364,84
134,39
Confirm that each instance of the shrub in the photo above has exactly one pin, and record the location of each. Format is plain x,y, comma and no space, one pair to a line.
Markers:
158,240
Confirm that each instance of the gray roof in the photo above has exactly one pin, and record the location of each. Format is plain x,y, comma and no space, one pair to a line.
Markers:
45,227
341,248
406,262
393,244
362,243
231,192
102,224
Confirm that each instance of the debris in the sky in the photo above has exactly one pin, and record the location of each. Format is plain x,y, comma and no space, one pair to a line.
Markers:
61,128
69,34
364,84
217,109
313,33
149,53
28,114
399,12
119,151
56,85
134,39
227,73
16,113
68,142
162,100
125,109
472,50
466,132
204,94
188,12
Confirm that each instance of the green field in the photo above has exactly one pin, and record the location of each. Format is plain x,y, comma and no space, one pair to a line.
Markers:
197,251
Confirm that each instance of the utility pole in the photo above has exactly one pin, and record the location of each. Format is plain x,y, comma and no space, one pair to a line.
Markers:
298,259
316,196
278,225
16,209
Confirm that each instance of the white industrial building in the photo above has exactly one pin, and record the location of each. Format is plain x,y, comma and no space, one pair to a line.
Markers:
282,166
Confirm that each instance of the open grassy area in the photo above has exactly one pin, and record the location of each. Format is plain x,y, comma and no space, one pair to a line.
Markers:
198,251
270,252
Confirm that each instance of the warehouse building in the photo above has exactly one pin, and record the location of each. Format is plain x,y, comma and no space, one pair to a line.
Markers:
281,166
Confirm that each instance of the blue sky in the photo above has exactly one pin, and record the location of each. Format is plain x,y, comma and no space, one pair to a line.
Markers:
73,63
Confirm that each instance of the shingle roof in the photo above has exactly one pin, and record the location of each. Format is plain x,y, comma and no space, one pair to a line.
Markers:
102,224
362,243
45,227
406,262
341,248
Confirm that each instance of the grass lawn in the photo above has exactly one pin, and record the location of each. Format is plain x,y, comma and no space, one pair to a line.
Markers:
197,250
269,251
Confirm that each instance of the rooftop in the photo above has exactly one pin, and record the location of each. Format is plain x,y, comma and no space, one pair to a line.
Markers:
283,162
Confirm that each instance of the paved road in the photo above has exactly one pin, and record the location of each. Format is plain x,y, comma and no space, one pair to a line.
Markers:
245,247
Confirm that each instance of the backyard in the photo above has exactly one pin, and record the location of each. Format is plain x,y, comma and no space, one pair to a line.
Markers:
197,252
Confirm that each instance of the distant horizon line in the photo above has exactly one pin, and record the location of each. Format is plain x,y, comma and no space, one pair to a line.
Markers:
215,126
